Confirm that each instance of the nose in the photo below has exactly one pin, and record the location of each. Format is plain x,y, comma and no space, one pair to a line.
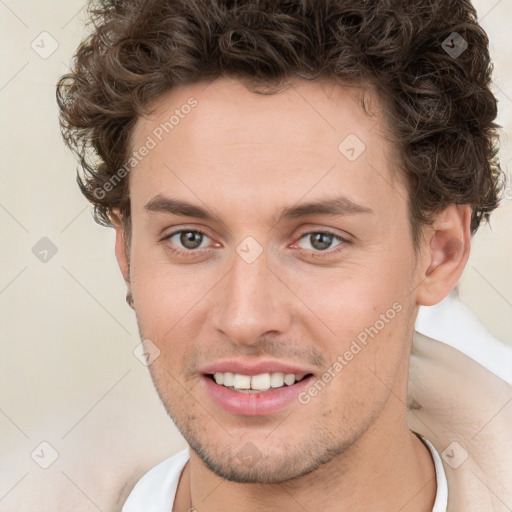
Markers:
253,302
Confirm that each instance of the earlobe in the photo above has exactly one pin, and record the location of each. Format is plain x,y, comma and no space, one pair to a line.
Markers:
446,253
120,247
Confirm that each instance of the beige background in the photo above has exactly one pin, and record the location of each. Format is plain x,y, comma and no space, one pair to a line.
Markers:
68,375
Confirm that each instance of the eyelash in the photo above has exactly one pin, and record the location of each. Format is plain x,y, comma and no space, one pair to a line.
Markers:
328,252
315,254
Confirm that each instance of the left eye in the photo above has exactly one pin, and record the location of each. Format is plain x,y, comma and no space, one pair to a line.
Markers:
188,239
320,241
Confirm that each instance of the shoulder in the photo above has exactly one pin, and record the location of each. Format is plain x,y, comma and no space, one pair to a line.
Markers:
156,490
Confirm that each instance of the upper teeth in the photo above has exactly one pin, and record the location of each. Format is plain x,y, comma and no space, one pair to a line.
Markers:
260,382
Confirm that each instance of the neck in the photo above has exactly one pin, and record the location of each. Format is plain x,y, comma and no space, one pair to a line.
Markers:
391,472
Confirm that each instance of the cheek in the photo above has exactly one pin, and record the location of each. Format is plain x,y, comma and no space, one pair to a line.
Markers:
171,303
362,324
347,301
163,292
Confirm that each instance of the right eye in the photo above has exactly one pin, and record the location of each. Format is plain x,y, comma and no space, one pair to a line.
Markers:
190,239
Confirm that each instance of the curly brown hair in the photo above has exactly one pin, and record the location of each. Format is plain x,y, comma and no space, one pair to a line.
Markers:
438,103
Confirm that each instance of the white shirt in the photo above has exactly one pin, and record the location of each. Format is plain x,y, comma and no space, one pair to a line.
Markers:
156,490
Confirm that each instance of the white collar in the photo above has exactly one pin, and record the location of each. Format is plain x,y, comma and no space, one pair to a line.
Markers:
441,502
156,490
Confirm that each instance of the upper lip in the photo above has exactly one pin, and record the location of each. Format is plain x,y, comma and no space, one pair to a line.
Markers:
251,368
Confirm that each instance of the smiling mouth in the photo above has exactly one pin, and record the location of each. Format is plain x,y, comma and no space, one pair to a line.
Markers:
256,383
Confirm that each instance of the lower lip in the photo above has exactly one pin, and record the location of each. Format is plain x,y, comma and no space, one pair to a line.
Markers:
254,404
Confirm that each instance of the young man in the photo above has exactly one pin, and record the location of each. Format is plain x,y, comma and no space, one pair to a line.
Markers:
289,182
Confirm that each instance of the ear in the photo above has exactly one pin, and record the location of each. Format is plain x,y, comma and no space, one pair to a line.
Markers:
445,254
122,257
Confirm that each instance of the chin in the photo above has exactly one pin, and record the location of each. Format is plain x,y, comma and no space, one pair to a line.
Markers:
244,462
267,471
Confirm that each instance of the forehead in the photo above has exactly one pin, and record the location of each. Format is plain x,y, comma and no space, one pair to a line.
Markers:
309,139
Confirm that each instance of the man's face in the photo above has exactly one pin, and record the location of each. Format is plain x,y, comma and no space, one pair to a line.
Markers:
256,291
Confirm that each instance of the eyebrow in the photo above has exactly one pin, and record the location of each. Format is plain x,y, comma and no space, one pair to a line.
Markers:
340,205
161,204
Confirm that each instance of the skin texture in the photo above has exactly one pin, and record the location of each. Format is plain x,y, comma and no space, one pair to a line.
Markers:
245,157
